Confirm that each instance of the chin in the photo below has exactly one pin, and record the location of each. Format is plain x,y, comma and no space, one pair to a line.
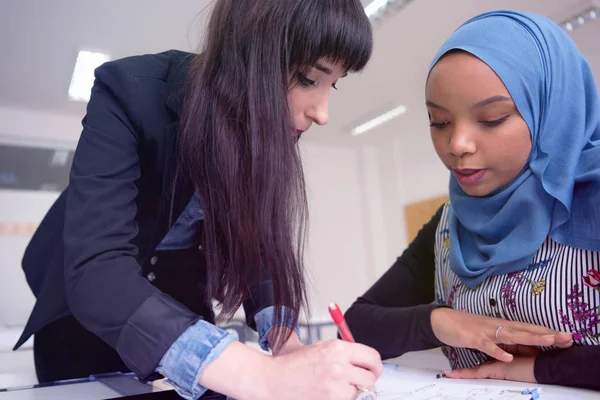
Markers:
476,190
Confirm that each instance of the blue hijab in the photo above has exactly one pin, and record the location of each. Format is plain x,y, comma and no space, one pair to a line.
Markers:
558,192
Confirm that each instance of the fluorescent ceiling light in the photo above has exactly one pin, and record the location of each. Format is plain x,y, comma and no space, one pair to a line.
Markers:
83,74
375,6
385,117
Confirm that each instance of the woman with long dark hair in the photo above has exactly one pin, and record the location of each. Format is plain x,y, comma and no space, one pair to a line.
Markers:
187,188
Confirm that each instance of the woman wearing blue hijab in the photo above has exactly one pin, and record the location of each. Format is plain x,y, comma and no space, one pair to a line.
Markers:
506,276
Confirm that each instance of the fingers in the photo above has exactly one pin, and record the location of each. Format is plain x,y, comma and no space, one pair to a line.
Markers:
350,364
512,336
535,329
363,393
563,340
516,336
355,354
467,373
492,350
492,370
362,377
515,342
365,357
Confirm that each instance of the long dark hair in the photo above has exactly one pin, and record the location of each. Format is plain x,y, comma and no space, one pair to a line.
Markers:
237,141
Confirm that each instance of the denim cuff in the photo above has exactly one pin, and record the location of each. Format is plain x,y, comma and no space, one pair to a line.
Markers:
188,356
265,322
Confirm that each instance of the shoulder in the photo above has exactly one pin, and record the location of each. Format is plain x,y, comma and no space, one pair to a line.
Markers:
157,66
141,84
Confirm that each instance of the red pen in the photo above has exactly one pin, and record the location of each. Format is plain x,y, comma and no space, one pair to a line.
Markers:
338,318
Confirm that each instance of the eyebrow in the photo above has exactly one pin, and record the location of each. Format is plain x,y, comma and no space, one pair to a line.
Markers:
326,70
490,100
493,99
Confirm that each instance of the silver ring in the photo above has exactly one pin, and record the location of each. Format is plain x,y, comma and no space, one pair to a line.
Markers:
497,332
365,394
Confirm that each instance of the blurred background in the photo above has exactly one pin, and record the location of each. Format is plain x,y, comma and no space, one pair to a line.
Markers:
372,174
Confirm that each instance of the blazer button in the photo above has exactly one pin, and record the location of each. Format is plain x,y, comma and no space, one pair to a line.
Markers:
153,260
151,276
200,248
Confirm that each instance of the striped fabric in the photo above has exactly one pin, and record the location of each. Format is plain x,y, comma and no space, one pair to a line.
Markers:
559,289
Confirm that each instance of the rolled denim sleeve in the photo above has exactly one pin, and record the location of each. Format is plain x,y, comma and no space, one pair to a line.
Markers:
265,321
188,356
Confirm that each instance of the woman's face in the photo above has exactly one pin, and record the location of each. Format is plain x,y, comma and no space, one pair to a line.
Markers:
308,99
476,129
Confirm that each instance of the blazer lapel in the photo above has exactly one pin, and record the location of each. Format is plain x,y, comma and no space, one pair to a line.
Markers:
177,190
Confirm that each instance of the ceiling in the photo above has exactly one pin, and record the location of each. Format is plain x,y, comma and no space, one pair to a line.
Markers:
40,41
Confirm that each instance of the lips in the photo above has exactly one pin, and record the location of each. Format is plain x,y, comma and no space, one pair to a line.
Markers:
469,176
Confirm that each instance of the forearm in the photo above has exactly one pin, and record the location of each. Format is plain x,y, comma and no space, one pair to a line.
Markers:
239,372
292,342
577,366
392,331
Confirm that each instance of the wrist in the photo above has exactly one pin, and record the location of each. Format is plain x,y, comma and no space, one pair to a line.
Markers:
257,380
240,372
437,318
293,343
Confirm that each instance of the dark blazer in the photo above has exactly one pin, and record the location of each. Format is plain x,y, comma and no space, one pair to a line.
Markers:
92,254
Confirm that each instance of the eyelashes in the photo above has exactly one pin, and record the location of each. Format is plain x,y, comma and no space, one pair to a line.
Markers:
495,122
306,82
492,123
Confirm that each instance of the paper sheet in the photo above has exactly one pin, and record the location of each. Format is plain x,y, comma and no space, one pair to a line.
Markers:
398,383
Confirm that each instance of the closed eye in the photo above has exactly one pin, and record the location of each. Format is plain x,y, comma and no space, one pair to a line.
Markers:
438,125
304,81
495,122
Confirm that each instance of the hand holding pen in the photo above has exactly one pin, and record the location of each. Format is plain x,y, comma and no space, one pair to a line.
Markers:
329,370
338,318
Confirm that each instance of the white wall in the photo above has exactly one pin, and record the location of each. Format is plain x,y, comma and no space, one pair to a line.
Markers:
336,256
358,195
399,169
424,175
32,127
29,207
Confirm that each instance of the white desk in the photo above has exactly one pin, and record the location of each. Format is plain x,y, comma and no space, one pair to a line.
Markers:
425,363
430,359
433,362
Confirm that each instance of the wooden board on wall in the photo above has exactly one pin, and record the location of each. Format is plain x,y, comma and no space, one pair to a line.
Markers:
18,228
418,214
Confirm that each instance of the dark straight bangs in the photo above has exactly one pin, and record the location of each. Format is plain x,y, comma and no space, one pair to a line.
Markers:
336,30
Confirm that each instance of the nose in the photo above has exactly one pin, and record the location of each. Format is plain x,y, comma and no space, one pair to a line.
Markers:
462,142
319,110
